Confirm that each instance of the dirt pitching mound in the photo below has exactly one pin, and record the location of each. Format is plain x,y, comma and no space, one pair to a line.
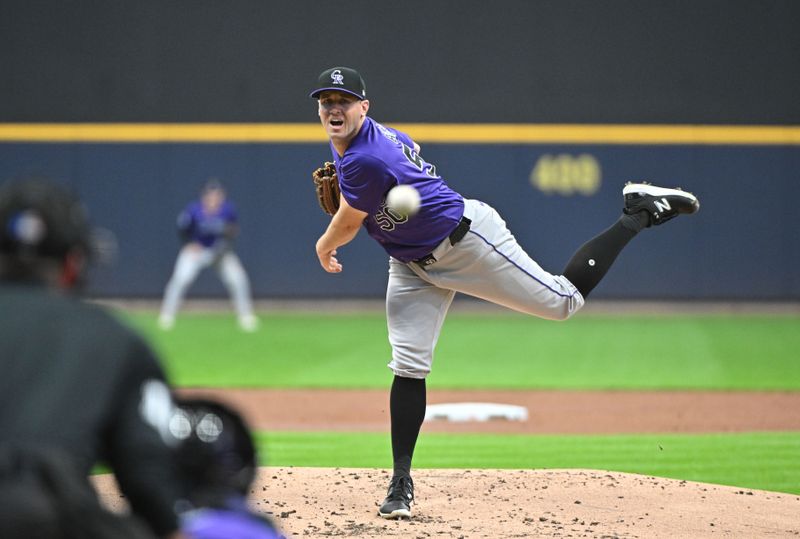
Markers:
343,502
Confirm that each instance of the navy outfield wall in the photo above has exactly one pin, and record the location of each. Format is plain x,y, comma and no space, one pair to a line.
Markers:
744,243
695,62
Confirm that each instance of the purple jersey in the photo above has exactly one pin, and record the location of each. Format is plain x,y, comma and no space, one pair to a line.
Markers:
379,158
206,228
227,524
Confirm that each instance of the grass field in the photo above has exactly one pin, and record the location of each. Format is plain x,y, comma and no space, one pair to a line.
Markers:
768,461
697,352
600,352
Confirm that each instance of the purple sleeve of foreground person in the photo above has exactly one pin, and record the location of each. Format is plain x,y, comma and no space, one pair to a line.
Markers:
226,524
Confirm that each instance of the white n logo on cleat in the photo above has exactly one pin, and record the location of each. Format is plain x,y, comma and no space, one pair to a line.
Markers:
662,205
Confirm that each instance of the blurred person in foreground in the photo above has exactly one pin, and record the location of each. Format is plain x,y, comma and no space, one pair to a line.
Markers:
217,458
76,386
208,227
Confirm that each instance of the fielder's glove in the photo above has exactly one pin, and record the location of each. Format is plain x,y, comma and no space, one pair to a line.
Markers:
327,185
220,248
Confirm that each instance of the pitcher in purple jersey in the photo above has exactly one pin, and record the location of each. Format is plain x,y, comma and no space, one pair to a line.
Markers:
208,227
452,245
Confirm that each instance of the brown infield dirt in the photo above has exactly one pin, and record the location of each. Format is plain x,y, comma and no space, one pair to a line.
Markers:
342,502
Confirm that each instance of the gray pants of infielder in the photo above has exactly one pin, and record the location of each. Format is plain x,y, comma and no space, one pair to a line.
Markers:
487,263
187,267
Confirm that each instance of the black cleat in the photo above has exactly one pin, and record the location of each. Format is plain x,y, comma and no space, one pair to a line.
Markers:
660,203
398,498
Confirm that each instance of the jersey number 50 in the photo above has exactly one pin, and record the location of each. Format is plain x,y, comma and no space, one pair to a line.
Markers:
388,219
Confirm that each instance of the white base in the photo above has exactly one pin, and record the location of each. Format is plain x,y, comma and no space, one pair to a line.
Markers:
475,411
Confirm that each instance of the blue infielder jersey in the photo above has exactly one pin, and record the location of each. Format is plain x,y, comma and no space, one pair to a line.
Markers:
379,158
206,228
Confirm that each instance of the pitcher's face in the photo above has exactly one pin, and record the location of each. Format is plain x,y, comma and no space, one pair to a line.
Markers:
341,115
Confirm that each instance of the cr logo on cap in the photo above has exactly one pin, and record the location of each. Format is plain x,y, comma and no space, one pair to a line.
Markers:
337,76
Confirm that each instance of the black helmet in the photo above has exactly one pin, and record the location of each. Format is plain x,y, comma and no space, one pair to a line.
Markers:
215,451
41,219
212,184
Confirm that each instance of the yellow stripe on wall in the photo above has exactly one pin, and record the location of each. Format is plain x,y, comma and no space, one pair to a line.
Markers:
439,133
195,132
603,134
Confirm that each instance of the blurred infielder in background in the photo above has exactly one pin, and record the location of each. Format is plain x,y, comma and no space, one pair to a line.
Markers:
208,227
451,245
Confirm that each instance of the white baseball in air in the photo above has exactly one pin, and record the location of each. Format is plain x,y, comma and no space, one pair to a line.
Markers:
404,199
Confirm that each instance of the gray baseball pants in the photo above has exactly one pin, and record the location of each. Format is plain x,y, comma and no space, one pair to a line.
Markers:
487,263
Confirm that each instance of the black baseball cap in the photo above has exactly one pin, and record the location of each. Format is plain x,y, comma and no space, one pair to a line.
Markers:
344,79
212,184
41,218
214,448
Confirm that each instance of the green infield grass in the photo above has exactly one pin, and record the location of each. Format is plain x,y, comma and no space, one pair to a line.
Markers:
765,461
487,351
511,351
